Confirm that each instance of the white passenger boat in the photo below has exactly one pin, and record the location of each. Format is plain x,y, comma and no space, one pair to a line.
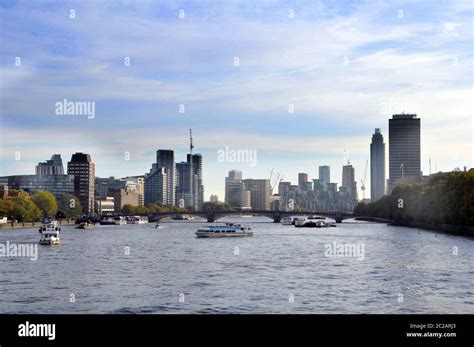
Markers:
137,220
49,231
228,230
119,220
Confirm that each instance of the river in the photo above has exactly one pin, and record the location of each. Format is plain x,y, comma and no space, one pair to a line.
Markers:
281,269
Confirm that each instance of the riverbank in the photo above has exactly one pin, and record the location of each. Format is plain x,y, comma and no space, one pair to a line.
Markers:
446,228
10,226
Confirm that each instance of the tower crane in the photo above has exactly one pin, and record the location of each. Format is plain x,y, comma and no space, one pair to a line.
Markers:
363,181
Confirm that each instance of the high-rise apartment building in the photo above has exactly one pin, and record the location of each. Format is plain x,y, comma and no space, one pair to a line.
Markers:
377,166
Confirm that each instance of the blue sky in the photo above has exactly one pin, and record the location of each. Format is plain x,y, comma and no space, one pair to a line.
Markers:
345,67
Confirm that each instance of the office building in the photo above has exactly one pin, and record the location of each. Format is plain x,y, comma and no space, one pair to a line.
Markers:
82,168
404,149
52,167
234,189
259,193
325,175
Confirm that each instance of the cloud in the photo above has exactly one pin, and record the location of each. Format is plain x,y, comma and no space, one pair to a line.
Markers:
339,65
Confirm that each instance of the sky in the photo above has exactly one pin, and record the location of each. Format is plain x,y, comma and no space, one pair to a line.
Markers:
297,83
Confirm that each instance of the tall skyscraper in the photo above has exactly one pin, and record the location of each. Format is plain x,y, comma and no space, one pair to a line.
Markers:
325,175
83,169
165,159
156,186
377,166
183,184
348,180
51,167
404,147
234,189
198,192
259,193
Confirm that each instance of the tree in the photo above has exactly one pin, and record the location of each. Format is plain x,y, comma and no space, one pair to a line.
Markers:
69,205
446,198
24,209
217,207
46,202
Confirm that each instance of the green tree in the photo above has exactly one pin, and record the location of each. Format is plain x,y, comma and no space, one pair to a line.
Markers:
46,202
69,205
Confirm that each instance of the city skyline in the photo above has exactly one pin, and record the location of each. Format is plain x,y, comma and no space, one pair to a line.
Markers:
273,99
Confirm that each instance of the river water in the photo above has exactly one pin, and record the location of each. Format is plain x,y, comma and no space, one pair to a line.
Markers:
281,269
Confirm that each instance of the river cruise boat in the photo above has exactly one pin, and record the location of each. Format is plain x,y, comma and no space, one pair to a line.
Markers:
227,230
287,220
137,220
49,231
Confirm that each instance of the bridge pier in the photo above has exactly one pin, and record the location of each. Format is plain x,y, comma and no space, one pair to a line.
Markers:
210,217
276,217
338,218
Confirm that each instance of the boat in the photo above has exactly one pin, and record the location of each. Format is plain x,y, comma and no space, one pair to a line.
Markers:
119,220
137,220
316,217
311,223
84,225
227,230
107,221
182,217
87,219
290,220
49,231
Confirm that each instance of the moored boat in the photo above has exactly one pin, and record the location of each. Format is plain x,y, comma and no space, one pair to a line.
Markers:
137,220
84,225
49,231
311,223
227,230
107,221
119,220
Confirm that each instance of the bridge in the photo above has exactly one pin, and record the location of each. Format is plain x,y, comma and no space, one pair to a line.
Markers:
212,216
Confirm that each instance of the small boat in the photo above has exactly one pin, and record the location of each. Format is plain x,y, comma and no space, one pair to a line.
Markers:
84,225
227,230
49,231
182,217
311,223
157,225
287,220
137,220
107,221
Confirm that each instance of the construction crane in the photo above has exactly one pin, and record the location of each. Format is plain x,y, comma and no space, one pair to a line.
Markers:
362,187
278,179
